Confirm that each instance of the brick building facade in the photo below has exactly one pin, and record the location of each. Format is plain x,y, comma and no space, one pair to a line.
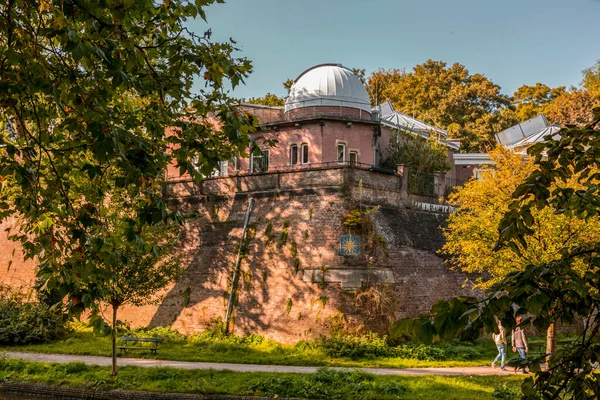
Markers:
295,283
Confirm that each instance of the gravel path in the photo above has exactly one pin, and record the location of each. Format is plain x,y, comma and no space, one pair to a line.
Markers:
140,362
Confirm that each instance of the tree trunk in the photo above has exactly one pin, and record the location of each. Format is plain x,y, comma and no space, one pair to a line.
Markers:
113,338
551,339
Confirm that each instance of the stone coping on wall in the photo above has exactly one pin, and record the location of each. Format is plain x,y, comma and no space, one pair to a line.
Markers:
310,177
69,393
357,182
349,277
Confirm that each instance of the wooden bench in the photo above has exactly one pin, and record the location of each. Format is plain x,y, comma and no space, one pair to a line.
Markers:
136,341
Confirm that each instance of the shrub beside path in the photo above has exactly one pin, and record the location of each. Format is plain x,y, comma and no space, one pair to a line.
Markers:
141,362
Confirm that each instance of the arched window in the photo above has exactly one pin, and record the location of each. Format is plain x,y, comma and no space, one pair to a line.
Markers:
304,153
293,154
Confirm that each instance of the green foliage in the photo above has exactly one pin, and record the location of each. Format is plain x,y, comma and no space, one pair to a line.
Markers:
419,155
353,219
269,232
421,183
323,300
293,249
328,384
564,289
372,345
99,99
269,99
212,345
288,306
296,264
284,234
506,392
24,322
169,335
186,296
358,221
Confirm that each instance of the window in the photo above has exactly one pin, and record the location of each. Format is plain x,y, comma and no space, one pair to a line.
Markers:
234,162
260,163
223,168
353,158
341,153
293,154
304,154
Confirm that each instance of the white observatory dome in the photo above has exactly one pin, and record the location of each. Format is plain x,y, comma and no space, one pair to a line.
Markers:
328,85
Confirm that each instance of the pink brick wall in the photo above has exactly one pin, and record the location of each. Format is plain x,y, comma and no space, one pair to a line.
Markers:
14,269
322,140
313,204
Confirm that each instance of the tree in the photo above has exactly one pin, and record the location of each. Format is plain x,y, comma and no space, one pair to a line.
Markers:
472,232
144,268
287,85
381,83
269,99
469,106
529,101
419,155
572,107
360,74
563,289
96,101
591,80
481,203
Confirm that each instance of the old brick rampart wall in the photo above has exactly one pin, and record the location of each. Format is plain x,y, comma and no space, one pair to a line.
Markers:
294,284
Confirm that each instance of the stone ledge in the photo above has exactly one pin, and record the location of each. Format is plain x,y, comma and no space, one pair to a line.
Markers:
350,278
68,393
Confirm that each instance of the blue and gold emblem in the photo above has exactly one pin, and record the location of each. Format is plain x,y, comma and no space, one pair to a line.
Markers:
349,245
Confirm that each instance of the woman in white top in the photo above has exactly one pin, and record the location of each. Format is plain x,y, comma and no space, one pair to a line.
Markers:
500,340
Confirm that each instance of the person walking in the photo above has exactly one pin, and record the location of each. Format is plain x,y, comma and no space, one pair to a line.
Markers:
519,342
500,340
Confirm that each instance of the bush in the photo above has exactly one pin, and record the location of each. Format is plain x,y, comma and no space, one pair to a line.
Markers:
166,333
326,384
506,392
24,322
372,345
369,345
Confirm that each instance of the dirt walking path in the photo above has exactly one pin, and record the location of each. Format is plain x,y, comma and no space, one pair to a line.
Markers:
140,362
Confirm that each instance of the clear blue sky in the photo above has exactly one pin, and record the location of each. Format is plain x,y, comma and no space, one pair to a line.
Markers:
512,42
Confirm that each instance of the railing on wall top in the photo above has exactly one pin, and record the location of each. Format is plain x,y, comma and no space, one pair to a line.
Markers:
421,183
311,109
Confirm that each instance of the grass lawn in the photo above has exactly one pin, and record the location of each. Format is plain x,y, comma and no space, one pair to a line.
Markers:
325,384
262,351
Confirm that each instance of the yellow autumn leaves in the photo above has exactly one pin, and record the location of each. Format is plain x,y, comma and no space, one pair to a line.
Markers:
472,231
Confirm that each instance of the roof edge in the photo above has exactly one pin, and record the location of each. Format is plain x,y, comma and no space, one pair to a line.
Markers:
318,66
